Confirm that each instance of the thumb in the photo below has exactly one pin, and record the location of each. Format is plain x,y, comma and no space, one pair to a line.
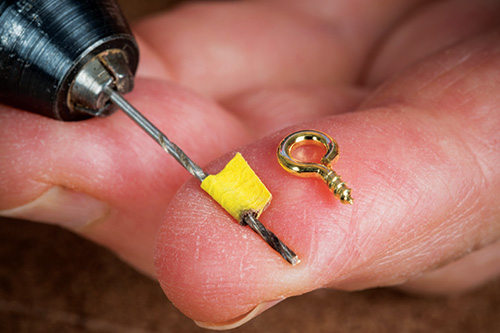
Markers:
420,157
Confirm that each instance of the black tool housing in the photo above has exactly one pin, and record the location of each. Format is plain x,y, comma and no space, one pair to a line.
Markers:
45,43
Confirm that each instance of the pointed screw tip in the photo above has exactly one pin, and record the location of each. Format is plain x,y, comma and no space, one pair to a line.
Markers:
347,201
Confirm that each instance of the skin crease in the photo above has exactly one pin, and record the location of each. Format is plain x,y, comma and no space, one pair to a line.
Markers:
420,151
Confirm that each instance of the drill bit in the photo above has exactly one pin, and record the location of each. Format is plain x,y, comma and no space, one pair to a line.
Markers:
194,169
270,238
157,135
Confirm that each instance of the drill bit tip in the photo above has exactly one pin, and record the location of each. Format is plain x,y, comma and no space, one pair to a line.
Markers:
250,219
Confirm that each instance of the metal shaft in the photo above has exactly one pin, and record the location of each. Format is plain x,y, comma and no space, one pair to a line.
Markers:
271,239
157,135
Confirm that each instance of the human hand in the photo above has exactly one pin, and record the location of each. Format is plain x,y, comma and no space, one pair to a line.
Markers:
419,152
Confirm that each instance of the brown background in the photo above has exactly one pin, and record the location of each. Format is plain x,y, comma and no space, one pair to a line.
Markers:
54,281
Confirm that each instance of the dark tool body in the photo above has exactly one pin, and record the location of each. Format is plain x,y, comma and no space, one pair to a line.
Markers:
44,44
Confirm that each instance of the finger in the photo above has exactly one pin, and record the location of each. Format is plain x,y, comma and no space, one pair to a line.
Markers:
464,274
225,48
268,110
428,29
421,157
105,178
151,65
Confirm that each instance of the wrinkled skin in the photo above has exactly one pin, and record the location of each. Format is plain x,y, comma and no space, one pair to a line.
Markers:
408,89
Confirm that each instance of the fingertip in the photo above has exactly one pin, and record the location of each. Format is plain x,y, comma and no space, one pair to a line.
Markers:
215,270
240,320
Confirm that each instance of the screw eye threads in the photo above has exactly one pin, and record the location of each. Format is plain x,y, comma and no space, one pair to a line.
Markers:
338,187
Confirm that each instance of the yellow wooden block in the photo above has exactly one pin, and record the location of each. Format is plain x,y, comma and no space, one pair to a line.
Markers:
237,188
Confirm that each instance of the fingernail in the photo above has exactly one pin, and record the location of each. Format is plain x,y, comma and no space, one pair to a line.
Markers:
240,320
61,206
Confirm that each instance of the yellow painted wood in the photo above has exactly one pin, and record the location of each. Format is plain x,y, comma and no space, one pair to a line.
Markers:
237,188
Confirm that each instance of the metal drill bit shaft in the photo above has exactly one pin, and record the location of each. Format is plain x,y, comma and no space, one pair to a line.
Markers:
198,172
157,135
270,238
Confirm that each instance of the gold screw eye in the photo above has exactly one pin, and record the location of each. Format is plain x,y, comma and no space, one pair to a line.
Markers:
306,169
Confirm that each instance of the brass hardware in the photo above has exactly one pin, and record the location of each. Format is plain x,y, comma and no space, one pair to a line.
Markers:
305,169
